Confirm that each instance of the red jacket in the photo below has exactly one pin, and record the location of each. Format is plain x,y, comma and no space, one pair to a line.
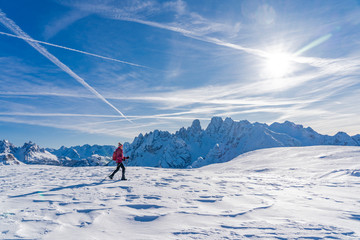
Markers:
118,155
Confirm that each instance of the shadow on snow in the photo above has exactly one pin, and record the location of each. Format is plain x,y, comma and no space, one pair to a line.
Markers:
62,188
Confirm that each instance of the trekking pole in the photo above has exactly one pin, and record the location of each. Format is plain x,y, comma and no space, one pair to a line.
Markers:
108,163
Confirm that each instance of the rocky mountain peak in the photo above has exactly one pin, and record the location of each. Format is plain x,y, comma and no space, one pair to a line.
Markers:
222,141
195,126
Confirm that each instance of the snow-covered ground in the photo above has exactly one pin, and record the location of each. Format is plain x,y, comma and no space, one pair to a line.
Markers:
279,193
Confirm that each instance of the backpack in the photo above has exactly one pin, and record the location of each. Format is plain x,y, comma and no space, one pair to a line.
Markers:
114,156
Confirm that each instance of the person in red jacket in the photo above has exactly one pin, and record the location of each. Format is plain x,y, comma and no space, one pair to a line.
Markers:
118,156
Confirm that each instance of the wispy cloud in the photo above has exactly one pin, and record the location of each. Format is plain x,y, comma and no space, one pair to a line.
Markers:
139,11
55,26
194,26
16,29
69,126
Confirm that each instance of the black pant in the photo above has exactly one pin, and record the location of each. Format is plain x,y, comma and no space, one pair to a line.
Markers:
119,165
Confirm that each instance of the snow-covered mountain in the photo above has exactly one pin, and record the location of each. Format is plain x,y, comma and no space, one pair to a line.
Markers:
308,137
357,138
82,152
31,153
6,154
85,155
222,141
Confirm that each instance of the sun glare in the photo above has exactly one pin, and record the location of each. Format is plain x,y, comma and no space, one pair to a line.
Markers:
277,65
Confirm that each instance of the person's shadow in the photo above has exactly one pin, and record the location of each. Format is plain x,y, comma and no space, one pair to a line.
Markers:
65,187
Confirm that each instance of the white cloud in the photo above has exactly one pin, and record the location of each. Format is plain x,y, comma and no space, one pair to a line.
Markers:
59,24
124,8
179,6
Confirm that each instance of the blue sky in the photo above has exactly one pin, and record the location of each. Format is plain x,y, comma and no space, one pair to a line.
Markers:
102,71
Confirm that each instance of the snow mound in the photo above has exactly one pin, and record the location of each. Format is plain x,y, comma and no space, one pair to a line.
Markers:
278,193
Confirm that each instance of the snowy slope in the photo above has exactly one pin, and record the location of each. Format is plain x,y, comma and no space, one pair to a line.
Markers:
222,141
278,193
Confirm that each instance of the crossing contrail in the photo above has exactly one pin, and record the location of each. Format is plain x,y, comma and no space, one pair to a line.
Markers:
72,49
11,25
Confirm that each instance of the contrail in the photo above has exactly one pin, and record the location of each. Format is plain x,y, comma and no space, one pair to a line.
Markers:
31,114
315,62
11,25
71,49
193,35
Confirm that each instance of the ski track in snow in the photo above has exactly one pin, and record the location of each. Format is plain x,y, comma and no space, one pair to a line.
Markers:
280,193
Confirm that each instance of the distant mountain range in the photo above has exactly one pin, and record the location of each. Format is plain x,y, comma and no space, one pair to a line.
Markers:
85,155
30,153
221,141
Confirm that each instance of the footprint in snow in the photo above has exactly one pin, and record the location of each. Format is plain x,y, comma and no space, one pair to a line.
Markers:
143,206
145,218
155,197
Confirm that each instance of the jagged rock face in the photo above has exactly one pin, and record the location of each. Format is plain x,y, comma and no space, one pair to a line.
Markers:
8,159
31,153
158,149
222,141
6,147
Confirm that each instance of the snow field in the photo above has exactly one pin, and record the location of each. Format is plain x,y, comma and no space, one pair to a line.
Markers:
279,193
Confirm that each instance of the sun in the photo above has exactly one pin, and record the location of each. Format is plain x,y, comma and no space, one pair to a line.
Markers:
278,65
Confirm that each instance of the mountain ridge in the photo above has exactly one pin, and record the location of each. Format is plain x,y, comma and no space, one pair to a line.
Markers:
191,147
221,141
31,153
